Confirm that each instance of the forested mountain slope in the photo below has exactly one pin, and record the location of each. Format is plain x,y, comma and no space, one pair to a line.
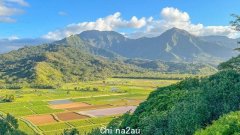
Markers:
58,62
233,63
187,106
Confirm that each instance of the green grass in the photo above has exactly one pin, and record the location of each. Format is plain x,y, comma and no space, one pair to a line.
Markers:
84,125
89,128
26,108
25,128
55,126
18,111
101,120
35,101
78,123
42,109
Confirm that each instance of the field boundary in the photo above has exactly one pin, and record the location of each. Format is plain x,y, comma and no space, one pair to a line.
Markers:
2,113
32,126
89,96
55,117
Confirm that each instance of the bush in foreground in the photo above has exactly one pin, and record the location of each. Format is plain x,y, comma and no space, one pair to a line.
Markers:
228,124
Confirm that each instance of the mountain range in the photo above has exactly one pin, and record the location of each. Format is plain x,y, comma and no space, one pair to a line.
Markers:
174,45
100,54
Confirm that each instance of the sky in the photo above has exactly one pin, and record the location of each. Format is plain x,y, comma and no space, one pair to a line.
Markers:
56,19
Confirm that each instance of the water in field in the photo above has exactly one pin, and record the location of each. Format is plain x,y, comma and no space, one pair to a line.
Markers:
56,102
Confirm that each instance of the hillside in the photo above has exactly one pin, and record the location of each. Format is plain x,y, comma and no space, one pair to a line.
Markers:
233,63
172,67
55,63
187,106
222,40
74,59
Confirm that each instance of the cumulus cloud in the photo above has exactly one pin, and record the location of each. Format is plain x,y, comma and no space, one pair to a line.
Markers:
144,26
173,17
173,14
8,9
109,23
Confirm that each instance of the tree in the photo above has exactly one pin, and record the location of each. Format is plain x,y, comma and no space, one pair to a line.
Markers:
228,124
8,98
95,89
12,121
236,25
72,131
9,126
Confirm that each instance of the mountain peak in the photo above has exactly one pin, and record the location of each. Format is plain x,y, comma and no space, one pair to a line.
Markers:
102,39
177,30
98,33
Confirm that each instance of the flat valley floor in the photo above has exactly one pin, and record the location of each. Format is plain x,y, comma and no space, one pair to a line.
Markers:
50,111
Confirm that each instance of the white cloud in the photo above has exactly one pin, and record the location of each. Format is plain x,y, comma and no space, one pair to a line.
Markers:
8,9
173,14
169,17
7,20
172,17
13,38
20,2
109,23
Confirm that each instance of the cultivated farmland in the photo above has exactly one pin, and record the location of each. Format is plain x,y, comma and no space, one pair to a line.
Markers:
83,105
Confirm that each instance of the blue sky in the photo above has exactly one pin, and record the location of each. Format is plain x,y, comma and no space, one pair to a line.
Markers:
36,18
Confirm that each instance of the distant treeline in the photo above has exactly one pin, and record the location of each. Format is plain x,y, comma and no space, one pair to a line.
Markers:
157,75
139,77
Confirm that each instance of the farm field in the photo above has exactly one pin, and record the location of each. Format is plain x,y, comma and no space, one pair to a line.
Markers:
82,105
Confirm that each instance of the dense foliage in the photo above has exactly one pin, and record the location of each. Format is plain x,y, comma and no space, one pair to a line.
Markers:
9,126
233,63
187,106
51,64
73,131
7,98
173,67
228,124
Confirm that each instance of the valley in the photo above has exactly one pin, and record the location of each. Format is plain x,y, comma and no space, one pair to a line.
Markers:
50,111
133,67
102,79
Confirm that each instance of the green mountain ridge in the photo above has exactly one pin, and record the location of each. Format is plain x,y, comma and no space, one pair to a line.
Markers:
54,63
77,59
174,45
